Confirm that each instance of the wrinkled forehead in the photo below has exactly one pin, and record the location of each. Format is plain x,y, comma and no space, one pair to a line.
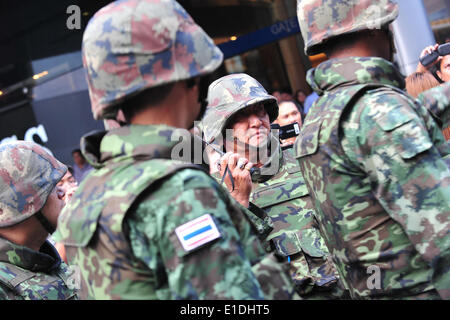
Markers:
244,114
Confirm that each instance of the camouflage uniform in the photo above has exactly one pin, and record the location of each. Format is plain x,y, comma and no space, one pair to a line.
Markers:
123,224
26,274
372,161
281,192
437,101
28,175
120,224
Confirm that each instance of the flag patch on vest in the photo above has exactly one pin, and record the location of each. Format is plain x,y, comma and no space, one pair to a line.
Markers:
197,232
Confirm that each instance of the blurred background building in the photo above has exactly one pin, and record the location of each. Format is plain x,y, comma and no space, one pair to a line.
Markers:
43,93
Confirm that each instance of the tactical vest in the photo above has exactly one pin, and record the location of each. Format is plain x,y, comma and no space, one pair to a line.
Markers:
320,145
286,240
104,234
296,235
104,237
27,285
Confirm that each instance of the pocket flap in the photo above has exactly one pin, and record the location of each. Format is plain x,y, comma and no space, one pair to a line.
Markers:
308,140
280,192
408,136
393,119
312,243
288,243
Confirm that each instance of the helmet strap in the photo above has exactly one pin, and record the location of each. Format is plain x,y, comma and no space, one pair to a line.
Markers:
44,222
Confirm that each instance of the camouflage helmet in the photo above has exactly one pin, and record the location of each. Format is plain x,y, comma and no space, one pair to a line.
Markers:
129,46
230,94
321,20
28,175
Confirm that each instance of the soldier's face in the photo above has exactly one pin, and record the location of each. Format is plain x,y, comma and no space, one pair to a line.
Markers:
53,206
69,185
251,125
444,71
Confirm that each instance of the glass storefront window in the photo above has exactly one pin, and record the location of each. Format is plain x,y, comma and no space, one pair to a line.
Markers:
438,12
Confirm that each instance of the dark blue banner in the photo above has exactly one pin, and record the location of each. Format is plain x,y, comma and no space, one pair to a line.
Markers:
260,37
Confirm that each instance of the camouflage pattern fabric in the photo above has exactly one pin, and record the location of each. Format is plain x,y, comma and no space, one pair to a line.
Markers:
284,197
120,226
26,274
371,162
322,20
437,101
28,174
129,46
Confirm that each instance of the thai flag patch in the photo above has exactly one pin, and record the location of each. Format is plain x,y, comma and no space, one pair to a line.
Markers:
197,232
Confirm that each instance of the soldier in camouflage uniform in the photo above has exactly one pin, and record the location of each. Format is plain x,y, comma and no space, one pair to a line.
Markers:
372,158
142,225
30,201
278,186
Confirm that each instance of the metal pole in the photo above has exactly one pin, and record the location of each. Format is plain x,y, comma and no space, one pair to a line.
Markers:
412,32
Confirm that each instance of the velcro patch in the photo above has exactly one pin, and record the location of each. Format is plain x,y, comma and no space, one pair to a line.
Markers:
197,232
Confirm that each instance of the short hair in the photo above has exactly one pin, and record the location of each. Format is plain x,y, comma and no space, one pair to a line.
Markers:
76,151
347,40
418,82
151,96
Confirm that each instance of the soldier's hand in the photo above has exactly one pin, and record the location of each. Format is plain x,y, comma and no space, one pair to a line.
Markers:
240,171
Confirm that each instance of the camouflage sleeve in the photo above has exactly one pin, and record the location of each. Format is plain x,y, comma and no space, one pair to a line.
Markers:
389,141
3,294
437,101
216,269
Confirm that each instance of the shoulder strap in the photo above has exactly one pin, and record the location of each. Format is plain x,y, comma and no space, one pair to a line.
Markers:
12,276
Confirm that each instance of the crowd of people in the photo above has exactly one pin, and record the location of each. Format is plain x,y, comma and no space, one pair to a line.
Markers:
357,206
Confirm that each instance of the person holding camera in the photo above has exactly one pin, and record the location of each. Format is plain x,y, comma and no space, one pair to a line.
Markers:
433,72
436,59
288,114
238,120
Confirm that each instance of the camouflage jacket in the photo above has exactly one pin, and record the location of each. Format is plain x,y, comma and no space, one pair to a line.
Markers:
124,225
437,101
284,197
373,163
26,274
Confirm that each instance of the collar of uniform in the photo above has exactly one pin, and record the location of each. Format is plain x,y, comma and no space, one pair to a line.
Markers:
46,259
266,172
141,142
340,72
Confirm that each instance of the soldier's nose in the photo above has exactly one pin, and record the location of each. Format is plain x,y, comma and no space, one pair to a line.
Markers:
60,192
